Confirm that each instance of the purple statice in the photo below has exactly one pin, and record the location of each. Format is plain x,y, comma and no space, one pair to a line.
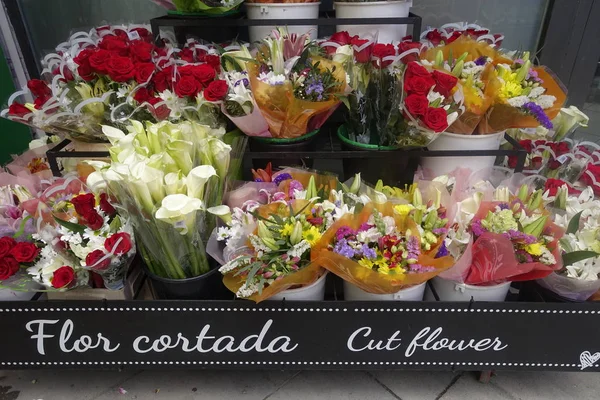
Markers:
418,268
503,206
538,113
314,86
258,180
413,247
524,256
481,61
477,228
519,236
519,61
443,251
343,232
294,185
368,252
364,227
440,231
343,248
243,81
533,75
281,177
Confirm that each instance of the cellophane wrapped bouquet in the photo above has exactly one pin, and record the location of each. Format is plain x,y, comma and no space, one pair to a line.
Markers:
295,88
385,247
564,125
449,33
170,177
112,74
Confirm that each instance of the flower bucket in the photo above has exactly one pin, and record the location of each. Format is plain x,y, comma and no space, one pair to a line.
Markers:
454,291
413,293
376,9
397,171
313,292
452,141
282,11
283,145
208,286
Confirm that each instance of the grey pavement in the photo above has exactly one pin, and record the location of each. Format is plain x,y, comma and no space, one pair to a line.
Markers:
293,385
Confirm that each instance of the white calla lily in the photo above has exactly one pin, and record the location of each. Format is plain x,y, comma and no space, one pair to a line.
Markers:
181,151
113,134
152,178
96,182
197,178
180,211
223,212
175,183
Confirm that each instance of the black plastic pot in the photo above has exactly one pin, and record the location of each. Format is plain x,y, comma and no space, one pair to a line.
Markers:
280,145
394,171
208,286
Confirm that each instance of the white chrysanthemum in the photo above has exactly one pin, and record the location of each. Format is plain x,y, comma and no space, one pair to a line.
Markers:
545,101
536,92
299,249
223,233
547,257
518,101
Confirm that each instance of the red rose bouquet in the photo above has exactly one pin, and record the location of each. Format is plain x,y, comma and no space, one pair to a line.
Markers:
449,33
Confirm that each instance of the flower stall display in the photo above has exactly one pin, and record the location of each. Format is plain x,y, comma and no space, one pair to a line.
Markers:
381,250
113,74
295,89
169,177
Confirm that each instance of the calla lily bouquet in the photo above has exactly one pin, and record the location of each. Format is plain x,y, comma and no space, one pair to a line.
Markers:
171,179
566,123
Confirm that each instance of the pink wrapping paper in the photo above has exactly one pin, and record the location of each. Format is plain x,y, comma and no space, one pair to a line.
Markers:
252,125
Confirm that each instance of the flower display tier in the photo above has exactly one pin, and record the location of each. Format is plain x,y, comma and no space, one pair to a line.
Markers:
299,335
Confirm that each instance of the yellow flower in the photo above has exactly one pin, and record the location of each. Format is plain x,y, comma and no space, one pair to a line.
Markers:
534,249
287,229
311,235
365,262
510,90
383,270
403,209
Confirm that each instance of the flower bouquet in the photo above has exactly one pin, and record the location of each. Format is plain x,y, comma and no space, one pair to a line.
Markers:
200,7
381,251
295,89
564,125
449,33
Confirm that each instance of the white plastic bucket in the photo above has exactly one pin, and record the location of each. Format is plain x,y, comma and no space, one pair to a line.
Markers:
314,292
376,9
453,291
414,293
452,141
282,11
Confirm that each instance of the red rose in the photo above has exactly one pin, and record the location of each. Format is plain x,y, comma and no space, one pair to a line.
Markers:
216,90
40,101
18,110
98,61
93,220
436,119
62,277
552,185
415,69
444,83
341,38
39,88
434,36
527,145
118,244
65,73
97,260
163,80
559,148
143,72
6,245
161,112
84,68
476,33
84,203
187,54
120,69
114,44
536,162
187,85
214,61
105,205
418,84
144,33
25,252
141,51
203,73
406,46
8,267
416,104
142,94
362,52
512,162
380,51
83,56
455,35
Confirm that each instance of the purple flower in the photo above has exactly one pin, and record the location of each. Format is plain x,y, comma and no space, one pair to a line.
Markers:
533,74
342,248
364,227
294,185
443,251
538,113
418,268
440,231
368,252
519,236
413,247
524,256
258,180
282,177
481,61
476,228
503,206
343,232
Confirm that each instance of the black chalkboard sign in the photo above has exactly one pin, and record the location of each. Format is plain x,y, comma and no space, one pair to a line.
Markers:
303,335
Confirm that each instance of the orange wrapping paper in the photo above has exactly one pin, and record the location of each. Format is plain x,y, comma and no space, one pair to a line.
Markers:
501,116
303,277
365,278
287,116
